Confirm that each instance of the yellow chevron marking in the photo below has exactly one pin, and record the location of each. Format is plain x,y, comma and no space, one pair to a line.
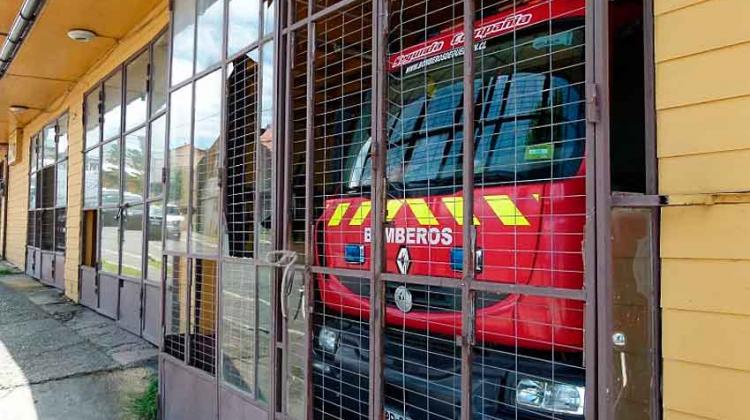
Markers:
338,214
422,212
536,196
506,211
393,206
361,214
455,206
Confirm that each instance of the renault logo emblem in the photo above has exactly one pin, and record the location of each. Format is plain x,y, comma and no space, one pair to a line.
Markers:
402,296
403,260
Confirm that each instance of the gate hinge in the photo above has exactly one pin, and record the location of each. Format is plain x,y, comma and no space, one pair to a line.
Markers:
593,108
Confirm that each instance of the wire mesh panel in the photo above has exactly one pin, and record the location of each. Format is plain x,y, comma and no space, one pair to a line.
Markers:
334,136
422,352
202,320
175,306
341,351
528,363
241,143
530,205
239,325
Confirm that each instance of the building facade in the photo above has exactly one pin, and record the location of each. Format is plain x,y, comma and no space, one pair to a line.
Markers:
274,194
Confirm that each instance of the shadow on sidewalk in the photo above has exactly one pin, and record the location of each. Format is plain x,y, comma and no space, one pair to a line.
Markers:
60,360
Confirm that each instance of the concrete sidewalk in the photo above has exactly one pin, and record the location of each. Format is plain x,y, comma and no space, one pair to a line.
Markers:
59,360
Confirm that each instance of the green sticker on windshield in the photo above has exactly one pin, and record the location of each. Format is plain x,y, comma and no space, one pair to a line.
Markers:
539,152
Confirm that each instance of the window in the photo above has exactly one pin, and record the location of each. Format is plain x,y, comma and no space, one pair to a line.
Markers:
48,187
123,161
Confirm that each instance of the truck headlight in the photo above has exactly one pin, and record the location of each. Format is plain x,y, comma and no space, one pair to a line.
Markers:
328,340
549,396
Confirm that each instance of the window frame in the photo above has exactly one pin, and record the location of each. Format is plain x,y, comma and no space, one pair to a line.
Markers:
121,71
36,169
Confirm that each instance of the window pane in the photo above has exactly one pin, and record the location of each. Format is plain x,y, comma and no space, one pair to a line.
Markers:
210,23
61,198
132,242
62,137
159,75
110,240
156,154
269,17
238,325
264,330
264,160
154,248
47,191
175,306
244,22
136,96
135,166
48,229
32,191
32,154
182,43
31,228
38,231
179,168
112,105
111,173
92,163
60,229
50,148
205,217
92,118
203,316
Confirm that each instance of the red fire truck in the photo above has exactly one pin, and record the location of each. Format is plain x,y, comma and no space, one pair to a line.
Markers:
529,216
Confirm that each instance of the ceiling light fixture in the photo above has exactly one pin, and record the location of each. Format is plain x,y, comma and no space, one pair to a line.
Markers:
18,31
81,35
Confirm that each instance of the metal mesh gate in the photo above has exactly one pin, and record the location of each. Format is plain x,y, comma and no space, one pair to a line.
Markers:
445,271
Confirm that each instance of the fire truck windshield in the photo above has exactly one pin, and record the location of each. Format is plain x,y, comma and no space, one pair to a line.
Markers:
529,116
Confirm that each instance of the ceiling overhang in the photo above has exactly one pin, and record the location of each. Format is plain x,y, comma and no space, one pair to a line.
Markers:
49,63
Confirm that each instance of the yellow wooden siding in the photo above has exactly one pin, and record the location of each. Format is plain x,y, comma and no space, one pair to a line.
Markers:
18,195
706,232
709,76
707,172
703,128
677,415
707,391
712,339
667,6
703,109
72,102
688,31
684,282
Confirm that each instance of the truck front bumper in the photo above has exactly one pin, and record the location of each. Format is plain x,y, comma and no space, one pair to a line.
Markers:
423,376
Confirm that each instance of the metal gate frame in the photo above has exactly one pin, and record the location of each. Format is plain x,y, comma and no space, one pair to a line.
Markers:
597,275
596,259
608,200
